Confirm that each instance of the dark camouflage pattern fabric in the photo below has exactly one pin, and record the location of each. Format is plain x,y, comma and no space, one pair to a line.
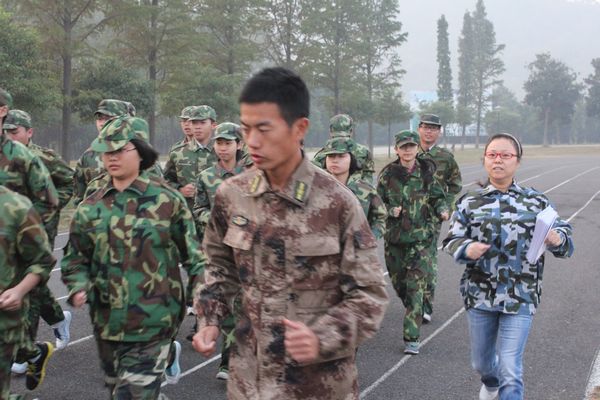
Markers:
371,204
24,249
341,125
115,108
502,280
134,370
364,161
305,253
88,167
5,98
206,188
24,173
419,194
7,354
447,172
124,249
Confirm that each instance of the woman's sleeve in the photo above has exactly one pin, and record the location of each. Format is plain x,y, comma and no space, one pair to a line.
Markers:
459,235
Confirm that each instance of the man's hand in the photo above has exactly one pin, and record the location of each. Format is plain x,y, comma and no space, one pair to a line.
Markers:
11,299
205,341
188,190
476,249
553,239
300,341
79,299
395,211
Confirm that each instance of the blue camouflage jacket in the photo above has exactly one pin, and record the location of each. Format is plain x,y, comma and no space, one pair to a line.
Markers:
502,279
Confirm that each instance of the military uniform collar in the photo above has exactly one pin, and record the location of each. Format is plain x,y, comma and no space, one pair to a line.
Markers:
297,189
138,186
221,172
490,189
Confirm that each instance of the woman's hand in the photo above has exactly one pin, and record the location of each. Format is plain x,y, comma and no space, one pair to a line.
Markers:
395,211
476,249
554,239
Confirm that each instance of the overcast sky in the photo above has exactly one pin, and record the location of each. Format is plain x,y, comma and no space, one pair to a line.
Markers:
568,29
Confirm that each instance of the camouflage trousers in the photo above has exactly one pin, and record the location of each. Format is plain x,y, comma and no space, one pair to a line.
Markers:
41,304
134,370
433,277
7,353
227,329
409,266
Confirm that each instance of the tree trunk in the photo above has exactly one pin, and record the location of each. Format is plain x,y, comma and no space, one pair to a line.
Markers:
479,106
389,139
462,137
67,87
546,118
152,71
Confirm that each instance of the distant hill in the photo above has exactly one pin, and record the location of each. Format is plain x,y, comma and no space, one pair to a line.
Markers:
568,29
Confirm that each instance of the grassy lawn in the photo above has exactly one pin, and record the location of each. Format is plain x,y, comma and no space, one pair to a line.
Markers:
466,156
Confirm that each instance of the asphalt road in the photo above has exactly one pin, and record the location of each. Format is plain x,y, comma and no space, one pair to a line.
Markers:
562,346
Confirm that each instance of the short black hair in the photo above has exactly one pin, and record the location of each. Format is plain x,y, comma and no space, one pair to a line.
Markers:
280,86
146,152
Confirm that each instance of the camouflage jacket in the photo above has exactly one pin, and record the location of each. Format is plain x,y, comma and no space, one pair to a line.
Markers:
88,167
24,173
124,249
100,181
447,172
24,249
502,279
186,162
206,188
371,204
305,253
364,159
62,177
419,194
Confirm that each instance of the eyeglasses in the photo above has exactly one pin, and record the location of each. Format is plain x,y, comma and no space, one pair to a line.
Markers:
431,127
492,155
122,150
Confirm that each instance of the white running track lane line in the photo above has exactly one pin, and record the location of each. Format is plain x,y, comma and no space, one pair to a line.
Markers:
594,379
569,180
197,367
404,359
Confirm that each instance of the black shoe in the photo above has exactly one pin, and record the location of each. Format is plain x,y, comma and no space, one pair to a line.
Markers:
36,371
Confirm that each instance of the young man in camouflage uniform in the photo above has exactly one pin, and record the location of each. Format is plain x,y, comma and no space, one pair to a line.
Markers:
192,157
125,244
186,127
89,166
227,144
342,125
448,175
413,198
6,101
341,163
18,126
26,259
292,246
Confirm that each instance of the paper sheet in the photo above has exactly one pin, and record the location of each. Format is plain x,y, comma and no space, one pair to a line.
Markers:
543,224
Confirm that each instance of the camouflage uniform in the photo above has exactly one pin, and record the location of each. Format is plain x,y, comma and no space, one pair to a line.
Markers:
124,249
185,115
502,279
408,237
24,249
366,194
190,158
341,125
42,302
448,175
305,253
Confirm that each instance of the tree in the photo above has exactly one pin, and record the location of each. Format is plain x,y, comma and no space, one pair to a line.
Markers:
466,49
444,77
487,65
593,97
390,109
376,51
109,79
65,26
553,89
24,73
505,112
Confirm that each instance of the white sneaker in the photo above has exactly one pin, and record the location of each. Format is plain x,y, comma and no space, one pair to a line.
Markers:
191,311
223,374
173,371
426,318
62,331
486,393
19,369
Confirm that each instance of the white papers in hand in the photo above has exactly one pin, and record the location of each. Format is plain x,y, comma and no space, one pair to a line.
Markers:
543,224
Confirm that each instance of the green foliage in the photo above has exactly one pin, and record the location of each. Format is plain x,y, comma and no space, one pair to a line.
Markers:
107,78
505,115
593,97
441,108
466,84
24,73
444,77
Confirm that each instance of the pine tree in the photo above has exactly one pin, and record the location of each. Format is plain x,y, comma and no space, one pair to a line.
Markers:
444,85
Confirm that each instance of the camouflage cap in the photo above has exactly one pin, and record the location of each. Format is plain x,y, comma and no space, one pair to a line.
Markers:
112,108
198,113
185,113
430,119
228,131
130,109
118,132
339,145
405,137
5,98
16,118
341,124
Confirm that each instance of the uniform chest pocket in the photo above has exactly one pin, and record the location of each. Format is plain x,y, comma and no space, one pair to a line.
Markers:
316,263
240,240
148,232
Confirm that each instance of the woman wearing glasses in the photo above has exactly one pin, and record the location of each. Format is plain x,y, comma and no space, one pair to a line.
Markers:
491,232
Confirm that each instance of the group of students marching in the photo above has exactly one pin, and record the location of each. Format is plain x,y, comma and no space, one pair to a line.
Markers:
136,224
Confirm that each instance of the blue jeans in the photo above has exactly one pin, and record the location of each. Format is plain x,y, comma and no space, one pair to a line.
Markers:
497,346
